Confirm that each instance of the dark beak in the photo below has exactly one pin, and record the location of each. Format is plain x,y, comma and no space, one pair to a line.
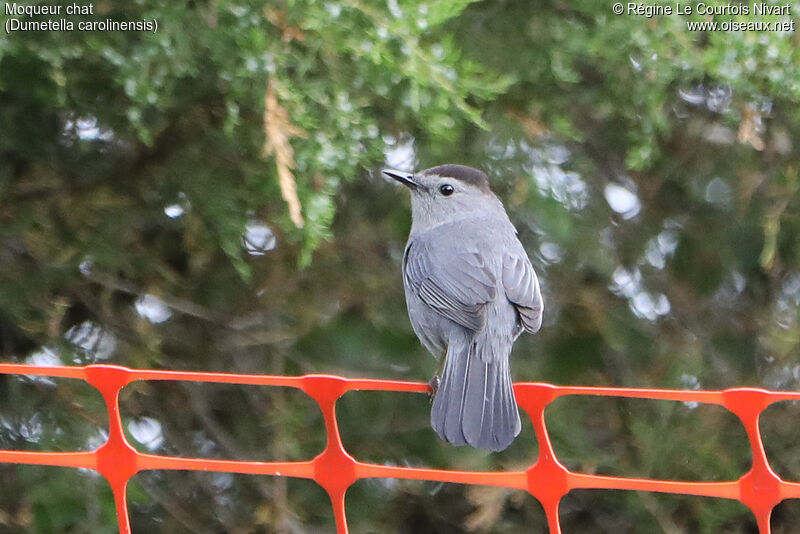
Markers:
405,178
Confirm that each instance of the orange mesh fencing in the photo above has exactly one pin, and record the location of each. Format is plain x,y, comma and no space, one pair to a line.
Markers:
760,489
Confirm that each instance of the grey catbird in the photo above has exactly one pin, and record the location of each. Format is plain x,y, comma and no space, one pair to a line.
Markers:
470,292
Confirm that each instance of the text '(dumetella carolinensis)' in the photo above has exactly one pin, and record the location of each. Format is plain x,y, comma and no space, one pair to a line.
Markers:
470,292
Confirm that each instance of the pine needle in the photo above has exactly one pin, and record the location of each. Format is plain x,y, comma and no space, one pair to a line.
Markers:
279,131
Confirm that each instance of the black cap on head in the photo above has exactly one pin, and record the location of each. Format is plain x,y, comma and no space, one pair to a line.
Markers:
461,173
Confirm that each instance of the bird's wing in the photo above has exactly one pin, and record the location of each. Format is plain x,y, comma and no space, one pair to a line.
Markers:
456,285
522,289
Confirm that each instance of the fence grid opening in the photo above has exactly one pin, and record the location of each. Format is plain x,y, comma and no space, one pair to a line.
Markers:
547,480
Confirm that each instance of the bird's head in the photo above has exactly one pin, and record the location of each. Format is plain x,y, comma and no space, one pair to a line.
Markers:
445,193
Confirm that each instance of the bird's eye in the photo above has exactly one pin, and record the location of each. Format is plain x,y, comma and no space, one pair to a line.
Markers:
446,189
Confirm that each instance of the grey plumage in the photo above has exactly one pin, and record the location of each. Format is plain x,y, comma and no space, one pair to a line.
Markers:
470,292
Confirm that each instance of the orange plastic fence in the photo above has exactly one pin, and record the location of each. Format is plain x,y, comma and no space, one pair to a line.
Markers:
760,489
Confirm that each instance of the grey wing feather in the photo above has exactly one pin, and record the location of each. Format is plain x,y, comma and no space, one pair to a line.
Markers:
457,286
522,289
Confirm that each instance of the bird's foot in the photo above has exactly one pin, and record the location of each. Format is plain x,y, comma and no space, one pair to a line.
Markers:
433,383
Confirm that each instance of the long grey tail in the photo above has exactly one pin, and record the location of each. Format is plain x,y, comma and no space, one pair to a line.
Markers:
475,402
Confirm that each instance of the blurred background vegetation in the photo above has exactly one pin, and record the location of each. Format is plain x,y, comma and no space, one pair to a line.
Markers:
207,198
